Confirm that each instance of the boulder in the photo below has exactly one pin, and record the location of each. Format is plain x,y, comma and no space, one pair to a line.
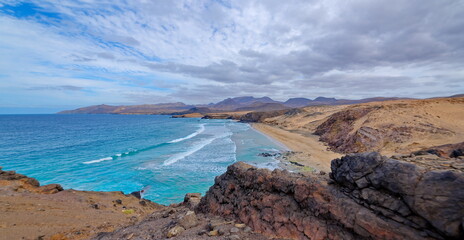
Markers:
50,189
175,231
191,200
189,220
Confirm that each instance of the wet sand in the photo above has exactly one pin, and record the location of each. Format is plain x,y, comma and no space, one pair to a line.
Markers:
309,151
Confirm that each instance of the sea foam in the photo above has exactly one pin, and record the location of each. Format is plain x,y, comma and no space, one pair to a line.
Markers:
200,130
98,160
175,158
134,151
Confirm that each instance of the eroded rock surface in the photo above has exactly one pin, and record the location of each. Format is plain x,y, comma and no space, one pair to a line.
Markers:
431,201
371,197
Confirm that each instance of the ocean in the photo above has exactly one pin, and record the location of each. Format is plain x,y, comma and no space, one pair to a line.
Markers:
167,156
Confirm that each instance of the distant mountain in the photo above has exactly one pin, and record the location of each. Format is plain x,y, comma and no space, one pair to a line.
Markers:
247,103
230,104
249,100
297,102
263,107
201,110
162,108
457,96
97,109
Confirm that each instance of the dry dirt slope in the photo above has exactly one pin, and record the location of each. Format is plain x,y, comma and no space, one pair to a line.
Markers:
389,127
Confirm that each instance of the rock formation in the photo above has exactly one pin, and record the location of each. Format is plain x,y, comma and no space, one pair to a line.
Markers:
370,197
22,183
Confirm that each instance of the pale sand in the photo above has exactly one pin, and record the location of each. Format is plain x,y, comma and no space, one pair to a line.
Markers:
310,151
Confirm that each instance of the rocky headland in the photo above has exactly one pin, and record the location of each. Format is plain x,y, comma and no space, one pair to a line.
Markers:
367,196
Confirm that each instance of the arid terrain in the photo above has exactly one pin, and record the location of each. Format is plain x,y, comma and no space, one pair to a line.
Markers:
411,194
30,211
390,127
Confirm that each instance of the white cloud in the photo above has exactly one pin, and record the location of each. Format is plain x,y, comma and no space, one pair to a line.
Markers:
173,49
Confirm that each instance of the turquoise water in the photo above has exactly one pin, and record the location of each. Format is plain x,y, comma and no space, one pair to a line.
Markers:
126,153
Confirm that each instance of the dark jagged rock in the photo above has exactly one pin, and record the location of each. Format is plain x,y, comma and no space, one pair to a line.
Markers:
191,200
218,116
372,197
428,200
446,151
260,116
265,154
136,194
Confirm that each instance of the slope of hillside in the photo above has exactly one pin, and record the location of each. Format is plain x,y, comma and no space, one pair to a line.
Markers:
400,126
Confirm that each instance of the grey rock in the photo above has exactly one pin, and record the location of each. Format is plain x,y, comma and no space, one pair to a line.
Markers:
189,220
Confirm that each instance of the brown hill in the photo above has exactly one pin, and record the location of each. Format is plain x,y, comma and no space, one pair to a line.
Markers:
390,126
161,108
247,103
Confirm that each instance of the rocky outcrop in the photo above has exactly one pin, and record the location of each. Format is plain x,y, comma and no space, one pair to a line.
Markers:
260,116
218,116
21,183
445,151
430,201
370,197
433,162
337,131
179,222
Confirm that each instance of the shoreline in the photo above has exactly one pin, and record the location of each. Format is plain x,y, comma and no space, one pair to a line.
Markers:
304,150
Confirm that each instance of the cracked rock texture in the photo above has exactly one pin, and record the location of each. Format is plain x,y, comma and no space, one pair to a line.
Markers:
370,197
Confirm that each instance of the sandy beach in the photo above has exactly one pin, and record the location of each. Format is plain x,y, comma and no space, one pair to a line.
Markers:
309,151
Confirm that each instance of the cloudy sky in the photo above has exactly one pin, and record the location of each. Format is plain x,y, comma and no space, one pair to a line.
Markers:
70,53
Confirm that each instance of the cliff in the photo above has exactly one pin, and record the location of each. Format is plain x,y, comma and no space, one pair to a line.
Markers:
367,197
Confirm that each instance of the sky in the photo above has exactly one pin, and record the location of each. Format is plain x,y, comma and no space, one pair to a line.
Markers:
64,54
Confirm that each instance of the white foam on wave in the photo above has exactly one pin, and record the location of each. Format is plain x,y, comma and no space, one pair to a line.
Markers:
200,130
98,160
269,165
234,150
175,158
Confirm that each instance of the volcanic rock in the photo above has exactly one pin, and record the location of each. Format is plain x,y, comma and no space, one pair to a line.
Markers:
372,197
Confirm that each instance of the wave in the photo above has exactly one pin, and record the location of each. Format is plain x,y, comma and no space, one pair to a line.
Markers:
175,158
183,155
200,130
98,160
135,151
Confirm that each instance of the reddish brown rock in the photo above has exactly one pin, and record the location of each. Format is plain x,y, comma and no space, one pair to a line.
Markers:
373,198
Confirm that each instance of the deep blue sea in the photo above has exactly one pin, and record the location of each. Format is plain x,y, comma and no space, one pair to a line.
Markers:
167,156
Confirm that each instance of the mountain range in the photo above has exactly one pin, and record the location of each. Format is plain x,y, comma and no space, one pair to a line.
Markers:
247,103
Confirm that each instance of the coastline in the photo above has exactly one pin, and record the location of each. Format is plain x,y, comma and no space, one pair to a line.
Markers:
305,150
